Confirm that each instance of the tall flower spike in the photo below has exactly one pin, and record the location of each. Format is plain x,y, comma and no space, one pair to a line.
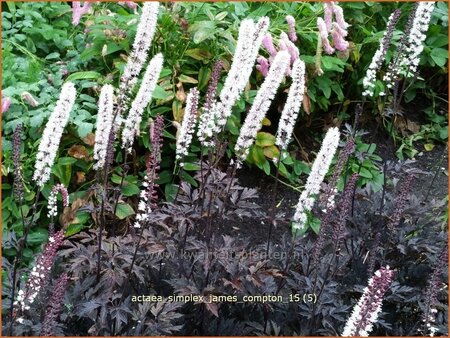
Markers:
318,171
338,35
365,313
249,41
103,126
142,99
434,284
339,16
393,70
206,119
55,306
263,65
261,104
268,45
417,36
52,134
184,138
149,196
328,15
380,54
323,33
40,272
292,106
144,36
6,103
291,24
52,208
18,180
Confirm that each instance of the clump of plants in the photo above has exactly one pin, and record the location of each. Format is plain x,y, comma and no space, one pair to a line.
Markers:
137,254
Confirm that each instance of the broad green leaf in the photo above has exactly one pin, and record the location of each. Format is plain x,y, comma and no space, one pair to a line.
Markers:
264,139
124,210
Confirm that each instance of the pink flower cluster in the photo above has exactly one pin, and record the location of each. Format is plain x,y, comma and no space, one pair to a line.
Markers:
337,28
285,43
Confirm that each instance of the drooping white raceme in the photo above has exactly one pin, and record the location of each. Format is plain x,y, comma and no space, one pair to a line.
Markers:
417,36
52,134
144,36
379,56
103,125
184,137
365,313
143,97
292,106
318,171
261,105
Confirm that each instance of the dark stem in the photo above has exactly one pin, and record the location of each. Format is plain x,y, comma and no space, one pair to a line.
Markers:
273,204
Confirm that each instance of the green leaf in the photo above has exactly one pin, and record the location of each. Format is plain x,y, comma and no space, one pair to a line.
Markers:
130,189
443,133
314,223
36,120
191,167
37,236
266,167
63,172
272,152
160,94
257,155
188,178
170,191
84,128
439,56
124,210
365,173
187,79
264,139
67,160
73,229
83,76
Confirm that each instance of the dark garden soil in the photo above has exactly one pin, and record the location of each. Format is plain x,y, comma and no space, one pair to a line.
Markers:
431,182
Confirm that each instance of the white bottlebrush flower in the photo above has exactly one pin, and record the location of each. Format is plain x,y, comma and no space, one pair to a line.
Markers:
52,134
365,313
417,36
292,106
261,105
103,126
206,125
379,56
144,36
184,137
143,97
249,41
318,171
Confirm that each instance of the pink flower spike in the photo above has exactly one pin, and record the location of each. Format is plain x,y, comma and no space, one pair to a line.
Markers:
268,44
263,65
328,15
339,42
6,102
291,24
339,15
78,11
324,36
